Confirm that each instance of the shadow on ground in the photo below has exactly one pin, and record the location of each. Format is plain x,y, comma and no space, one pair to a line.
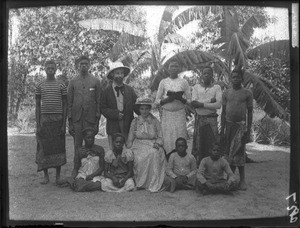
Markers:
29,200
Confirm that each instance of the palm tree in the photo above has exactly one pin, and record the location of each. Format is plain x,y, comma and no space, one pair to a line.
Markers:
233,45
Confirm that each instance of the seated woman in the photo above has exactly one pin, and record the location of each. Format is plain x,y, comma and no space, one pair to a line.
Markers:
91,165
118,169
145,141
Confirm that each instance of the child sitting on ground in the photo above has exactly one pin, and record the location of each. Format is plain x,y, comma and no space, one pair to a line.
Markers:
181,169
211,174
91,165
118,169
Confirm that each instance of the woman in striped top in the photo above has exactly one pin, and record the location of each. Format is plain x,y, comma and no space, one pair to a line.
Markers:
51,113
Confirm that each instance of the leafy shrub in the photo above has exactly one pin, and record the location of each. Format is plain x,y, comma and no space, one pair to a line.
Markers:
26,120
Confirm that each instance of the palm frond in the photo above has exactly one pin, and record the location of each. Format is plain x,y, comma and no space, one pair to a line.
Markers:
133,57
113,25
263,96
235,40
191,14
193,59
248,27
139,69
125,43
277,49
177,39
165,22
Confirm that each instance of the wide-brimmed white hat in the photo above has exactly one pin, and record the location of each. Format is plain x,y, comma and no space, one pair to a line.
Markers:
145,100
117,65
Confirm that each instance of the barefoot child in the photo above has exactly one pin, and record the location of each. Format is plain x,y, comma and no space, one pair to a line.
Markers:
181,168
91,165
51,114
118,170
211,173
236,120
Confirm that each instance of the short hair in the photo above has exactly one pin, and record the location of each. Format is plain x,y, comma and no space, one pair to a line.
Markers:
180,139
174,61
238,70
83,57
218,145
208,67
50,61
116,135
88,129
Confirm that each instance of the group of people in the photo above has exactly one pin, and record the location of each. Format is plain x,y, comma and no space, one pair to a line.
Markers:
144,152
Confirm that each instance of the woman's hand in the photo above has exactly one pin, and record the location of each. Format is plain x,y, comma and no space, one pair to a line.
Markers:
156,146
89,177
122,183
116,182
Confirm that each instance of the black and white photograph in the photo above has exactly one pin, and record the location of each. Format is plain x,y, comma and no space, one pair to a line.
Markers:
180,114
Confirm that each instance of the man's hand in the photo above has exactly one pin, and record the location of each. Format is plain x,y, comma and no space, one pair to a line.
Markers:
38,128
97,126
63,130
121,115
213,100
122,183
246,137
197,104
71,128
116,182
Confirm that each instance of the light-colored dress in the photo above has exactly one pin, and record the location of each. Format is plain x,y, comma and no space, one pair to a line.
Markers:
149,163
173,119
118,167
89,165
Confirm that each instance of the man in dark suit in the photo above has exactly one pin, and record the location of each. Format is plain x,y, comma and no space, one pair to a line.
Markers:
84,92
117,102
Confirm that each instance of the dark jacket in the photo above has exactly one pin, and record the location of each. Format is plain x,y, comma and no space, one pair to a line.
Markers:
84,99
110,110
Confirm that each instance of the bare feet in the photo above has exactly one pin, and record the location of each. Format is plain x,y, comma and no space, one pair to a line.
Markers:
45,181
242,186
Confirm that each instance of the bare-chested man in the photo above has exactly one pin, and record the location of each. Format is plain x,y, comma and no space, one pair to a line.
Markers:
236,121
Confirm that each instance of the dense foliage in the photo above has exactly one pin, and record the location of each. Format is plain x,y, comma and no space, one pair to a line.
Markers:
54,32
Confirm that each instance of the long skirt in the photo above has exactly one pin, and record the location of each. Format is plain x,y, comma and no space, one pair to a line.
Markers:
235,145
173,124
205,135
51,150
108,186
149,165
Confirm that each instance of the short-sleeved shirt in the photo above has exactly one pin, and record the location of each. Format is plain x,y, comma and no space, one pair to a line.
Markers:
204,95
51,93
118,165
237,102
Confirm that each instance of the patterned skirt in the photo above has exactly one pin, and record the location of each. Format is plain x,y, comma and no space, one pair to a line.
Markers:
51,150
235,146
205,135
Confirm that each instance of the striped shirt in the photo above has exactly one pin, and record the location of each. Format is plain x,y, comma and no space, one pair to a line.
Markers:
51,93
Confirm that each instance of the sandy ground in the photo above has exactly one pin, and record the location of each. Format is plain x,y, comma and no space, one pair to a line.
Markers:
268,184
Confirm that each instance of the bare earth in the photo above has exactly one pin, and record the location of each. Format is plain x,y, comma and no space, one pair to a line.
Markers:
268,185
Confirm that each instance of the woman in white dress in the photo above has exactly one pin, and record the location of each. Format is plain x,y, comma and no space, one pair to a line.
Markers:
145,141
173,93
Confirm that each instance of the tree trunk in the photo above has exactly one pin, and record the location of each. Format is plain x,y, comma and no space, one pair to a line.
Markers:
21,96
